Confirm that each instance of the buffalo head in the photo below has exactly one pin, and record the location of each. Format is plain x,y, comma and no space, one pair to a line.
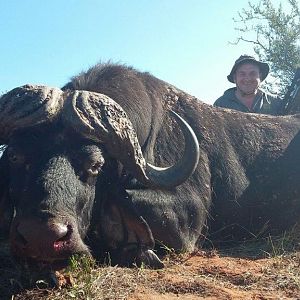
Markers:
63,170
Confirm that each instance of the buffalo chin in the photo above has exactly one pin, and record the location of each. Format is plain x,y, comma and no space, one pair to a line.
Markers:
39,264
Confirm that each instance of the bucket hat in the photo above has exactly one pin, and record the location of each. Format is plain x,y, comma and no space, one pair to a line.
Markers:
263,67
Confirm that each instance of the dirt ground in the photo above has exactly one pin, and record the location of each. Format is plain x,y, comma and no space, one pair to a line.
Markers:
207,274
211,276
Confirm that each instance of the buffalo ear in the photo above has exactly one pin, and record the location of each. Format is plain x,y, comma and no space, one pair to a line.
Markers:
6,205
125,235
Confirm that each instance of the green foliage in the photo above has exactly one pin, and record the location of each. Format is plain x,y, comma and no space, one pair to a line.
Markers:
84,263
274,33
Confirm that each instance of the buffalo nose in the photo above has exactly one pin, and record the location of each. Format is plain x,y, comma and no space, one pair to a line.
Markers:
45,240
53,234
61,230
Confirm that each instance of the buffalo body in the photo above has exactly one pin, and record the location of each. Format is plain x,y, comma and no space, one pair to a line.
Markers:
65,188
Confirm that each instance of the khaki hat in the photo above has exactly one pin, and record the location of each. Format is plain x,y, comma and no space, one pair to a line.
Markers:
263,67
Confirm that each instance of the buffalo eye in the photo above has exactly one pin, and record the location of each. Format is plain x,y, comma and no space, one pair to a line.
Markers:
93,164
94,168
91,161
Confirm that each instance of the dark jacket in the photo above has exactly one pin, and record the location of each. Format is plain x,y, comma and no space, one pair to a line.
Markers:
263,103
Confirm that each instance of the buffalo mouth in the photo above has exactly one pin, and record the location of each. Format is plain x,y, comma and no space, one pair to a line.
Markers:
63,244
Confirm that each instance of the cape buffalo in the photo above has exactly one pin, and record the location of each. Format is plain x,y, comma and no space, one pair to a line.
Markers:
74,176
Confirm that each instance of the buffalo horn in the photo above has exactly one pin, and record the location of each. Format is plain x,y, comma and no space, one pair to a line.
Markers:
101,119
178,173
27,106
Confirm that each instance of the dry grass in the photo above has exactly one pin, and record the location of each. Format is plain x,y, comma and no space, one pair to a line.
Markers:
258,269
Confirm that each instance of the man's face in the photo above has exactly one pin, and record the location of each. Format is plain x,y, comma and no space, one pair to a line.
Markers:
247,78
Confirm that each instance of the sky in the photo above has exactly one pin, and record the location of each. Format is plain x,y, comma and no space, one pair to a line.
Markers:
184,42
